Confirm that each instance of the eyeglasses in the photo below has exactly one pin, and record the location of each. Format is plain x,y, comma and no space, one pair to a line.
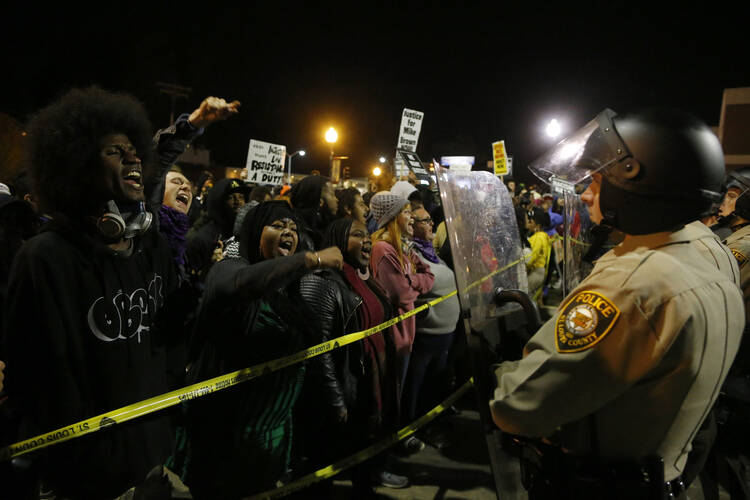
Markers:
428,220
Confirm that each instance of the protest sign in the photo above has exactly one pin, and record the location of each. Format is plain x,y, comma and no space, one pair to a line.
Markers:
413,163
265,162
408,133
500,158
408,136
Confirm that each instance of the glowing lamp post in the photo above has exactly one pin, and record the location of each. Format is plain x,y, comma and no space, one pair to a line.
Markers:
331,138
301,152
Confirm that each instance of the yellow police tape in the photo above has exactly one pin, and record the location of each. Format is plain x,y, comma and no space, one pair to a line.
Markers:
209,386
582,243
366,453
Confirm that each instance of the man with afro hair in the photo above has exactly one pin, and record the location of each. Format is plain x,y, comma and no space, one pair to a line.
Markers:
89,297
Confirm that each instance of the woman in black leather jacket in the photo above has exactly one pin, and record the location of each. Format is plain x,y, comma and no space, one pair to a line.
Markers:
350,392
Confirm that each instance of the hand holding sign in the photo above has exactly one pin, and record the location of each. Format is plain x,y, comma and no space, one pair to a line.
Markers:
212,110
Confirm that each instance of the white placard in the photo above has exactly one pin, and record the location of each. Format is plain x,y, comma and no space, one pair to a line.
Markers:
408,133
457,163
265,163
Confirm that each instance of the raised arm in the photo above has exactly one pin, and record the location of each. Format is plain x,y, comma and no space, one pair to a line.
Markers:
172,141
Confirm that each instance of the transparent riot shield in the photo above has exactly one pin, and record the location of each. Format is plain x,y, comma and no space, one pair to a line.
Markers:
487,256
576,242
582,242
485,241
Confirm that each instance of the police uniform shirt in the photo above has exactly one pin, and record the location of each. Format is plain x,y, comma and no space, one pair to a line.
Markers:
634,358
709,245
739,244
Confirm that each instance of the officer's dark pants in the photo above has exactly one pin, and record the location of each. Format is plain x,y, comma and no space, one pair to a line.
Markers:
702,445
728,464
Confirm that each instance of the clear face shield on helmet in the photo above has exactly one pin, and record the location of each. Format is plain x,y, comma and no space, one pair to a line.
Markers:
575,159
568,168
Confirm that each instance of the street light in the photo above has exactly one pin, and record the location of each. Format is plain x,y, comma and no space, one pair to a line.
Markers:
553,128
376,171
331,137
382,159
301,152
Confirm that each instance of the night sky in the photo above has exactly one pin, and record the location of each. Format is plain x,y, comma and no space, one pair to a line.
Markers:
479,75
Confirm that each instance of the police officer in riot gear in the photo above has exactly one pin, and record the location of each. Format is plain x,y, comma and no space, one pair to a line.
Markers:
732,452
618,382
735,208
723,216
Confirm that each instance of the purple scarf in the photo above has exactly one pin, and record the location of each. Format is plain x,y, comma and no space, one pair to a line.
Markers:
174,225
426,249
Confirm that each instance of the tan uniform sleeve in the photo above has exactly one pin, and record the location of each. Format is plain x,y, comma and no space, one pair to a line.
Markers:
740,247
601,341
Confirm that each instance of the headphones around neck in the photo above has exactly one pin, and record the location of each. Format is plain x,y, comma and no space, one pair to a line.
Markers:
112,226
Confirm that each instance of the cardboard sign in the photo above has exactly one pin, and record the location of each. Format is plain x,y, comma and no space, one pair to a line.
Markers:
265,163
413,163
408,133
500,158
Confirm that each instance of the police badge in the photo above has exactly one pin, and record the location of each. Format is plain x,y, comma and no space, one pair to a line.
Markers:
741,259
584,321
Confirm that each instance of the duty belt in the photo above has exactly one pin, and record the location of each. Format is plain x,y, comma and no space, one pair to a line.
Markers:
674,488
548,472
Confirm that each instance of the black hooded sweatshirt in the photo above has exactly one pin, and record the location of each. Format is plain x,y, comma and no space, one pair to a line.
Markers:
86,334
220,227
305,197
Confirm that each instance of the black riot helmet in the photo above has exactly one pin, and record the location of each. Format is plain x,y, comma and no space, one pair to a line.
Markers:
660,168
740,179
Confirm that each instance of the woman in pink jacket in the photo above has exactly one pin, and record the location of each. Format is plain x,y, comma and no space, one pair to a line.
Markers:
397,269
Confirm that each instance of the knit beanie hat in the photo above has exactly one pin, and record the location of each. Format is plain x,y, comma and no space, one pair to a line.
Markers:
403,189
385,206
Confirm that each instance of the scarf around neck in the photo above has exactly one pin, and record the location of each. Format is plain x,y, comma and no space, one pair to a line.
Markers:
426,249
174,225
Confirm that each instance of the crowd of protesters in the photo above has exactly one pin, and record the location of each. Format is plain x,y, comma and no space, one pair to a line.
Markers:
122,279
540,224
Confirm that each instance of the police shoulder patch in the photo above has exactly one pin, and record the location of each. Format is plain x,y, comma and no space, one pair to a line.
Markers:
584,321
741,259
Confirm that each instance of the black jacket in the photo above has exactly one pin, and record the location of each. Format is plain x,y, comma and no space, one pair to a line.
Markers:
220,226
334,373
